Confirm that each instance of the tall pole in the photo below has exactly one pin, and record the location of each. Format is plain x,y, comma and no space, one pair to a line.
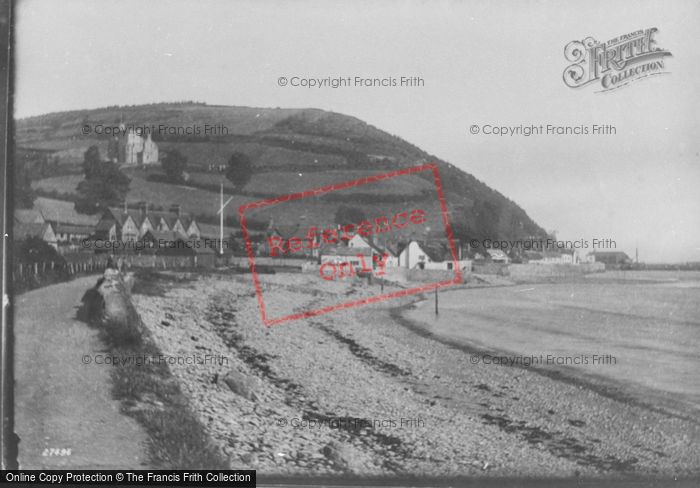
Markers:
221,221
436,301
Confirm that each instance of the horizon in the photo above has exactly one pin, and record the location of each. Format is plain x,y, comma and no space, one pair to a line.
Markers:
637,187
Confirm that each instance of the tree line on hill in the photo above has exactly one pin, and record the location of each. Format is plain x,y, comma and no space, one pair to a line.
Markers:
105,185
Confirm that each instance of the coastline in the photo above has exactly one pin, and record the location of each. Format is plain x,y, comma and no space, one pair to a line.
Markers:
366,365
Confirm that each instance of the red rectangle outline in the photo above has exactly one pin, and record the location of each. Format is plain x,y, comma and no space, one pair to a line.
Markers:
340,186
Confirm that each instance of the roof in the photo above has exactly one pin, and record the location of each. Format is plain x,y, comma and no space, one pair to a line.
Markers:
62,211
379,246
73,229
118,215
23,230
437,251
619,254
154,216
27,216
391,245
345,251
169,217
105,224
496,253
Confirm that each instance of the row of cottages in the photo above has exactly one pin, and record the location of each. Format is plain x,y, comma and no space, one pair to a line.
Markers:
55,222
125,224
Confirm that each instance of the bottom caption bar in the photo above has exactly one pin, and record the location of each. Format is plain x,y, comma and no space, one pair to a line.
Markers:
131,477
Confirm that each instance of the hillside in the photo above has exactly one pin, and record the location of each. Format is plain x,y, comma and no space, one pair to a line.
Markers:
291,149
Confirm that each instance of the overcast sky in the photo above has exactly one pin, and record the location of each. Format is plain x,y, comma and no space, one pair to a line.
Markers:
483,62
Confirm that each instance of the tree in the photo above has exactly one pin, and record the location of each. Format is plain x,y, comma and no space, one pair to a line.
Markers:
349,215
239,170
104,185
33,249
91,161
174,165
24,195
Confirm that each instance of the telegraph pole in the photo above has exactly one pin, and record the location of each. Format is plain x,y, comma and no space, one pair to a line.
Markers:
222,205
436,301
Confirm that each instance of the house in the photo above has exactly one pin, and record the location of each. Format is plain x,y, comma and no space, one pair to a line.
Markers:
565,256
130,148
71,234
31,223
435,255
125,224
44,231
611,259
63,212
358,257
192,228
413,256
383,250
498,256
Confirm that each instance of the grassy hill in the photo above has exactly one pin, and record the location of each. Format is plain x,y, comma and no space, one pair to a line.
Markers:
291,149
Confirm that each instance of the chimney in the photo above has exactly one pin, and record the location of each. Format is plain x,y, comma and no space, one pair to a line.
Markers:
125,208
143,208
175,209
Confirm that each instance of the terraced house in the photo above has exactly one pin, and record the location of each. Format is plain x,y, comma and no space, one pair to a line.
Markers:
130,224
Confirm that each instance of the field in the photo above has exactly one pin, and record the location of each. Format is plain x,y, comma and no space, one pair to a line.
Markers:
647,322
407,192
323,147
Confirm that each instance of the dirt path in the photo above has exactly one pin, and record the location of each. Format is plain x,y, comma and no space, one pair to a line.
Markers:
61,403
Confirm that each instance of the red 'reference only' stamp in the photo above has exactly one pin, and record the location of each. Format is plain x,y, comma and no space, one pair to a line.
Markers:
335,251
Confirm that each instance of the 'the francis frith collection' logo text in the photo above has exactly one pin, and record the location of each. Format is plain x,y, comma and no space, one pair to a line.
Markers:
615,63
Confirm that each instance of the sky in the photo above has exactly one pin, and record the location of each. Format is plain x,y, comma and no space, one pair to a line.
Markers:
496,63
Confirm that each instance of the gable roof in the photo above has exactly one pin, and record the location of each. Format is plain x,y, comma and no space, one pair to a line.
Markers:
23,230
120,216
28,216
384,245
62,211
105,224
154,217
437,251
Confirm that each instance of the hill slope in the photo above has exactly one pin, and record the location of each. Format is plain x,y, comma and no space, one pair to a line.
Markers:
291,149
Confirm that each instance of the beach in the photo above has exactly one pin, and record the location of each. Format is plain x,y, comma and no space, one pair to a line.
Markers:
385,390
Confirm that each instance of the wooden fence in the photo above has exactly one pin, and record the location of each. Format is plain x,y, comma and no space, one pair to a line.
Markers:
27,276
